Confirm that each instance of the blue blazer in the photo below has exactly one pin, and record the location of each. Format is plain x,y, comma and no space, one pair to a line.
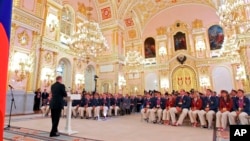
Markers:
162,103
95,102
107,103
151,102
115,102
186,102
76,102
212,102
246,105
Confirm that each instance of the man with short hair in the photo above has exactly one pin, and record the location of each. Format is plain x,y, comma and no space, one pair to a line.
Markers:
182,105
147,107
209,108
56,104
241,109
158,106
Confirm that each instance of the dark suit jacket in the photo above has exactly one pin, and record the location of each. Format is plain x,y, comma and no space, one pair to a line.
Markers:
58,92
212,102
246,105
185,102
115,101
95,102
105,102
162,103
150,102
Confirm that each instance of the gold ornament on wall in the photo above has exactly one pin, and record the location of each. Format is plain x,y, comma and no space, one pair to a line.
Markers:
161,30
197,23
82,8
48,57
23,38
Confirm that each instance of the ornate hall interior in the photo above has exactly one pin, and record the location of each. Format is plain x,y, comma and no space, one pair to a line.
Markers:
127,46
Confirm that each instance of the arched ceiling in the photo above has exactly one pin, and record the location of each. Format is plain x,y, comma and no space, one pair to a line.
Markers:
137,15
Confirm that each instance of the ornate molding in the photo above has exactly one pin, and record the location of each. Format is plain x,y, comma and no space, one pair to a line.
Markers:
27,20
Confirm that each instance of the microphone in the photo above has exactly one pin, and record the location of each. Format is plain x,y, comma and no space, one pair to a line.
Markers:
11,87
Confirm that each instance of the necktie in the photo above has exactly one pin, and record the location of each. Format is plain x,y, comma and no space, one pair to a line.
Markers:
240,103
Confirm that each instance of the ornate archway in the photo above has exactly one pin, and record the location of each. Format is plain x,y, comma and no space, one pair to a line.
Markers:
184,77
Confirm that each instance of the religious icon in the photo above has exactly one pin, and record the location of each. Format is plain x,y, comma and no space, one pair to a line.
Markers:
216,37
180,41
149,48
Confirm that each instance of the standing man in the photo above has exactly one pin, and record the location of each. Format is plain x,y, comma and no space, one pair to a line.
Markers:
56,104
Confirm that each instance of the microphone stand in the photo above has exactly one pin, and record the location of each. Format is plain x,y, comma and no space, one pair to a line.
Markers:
12,103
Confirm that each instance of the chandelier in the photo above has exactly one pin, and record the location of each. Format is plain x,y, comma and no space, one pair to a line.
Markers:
88,41
133,60
233,12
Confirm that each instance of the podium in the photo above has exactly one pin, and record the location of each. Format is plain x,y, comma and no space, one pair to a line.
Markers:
68,129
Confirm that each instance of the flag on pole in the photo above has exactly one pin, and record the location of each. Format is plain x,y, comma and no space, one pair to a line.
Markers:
5,25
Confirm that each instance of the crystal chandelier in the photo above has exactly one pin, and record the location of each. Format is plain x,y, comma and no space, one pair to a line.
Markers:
233,12
88,41
133,60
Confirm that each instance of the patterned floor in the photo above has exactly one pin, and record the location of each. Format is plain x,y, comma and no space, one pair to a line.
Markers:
25,134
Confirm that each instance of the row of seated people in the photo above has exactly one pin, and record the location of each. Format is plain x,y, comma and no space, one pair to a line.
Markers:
100,105
226,107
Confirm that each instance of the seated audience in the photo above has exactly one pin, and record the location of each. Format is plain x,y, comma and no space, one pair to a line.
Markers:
225,107
241,108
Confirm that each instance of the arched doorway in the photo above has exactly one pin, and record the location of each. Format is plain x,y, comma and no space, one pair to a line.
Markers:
184,78
64,69
89,78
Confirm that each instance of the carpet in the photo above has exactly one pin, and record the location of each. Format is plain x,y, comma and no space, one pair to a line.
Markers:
21,134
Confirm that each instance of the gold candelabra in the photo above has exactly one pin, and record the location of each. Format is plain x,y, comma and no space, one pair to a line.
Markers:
23,71
48,80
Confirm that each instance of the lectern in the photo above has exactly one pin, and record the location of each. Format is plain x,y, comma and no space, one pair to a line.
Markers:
68,129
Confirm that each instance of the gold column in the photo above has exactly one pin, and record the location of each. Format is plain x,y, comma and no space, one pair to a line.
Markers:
38,83
142,83
234,66
32,56
11,48
244,59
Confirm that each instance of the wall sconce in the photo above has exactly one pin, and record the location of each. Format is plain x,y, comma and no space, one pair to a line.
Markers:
121,82
52,22
23,71
47,76
204,82
48,81
79,81
200,45
162,51
240,74
21,66
165,85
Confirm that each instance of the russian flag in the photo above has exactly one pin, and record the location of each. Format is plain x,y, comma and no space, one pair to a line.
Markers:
5,25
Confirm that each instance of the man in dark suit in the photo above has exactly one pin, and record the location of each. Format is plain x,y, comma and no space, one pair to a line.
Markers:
182,105
209,108
241,109
56,104
148,105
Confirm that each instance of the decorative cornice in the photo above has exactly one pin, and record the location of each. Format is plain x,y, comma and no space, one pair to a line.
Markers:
27,20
